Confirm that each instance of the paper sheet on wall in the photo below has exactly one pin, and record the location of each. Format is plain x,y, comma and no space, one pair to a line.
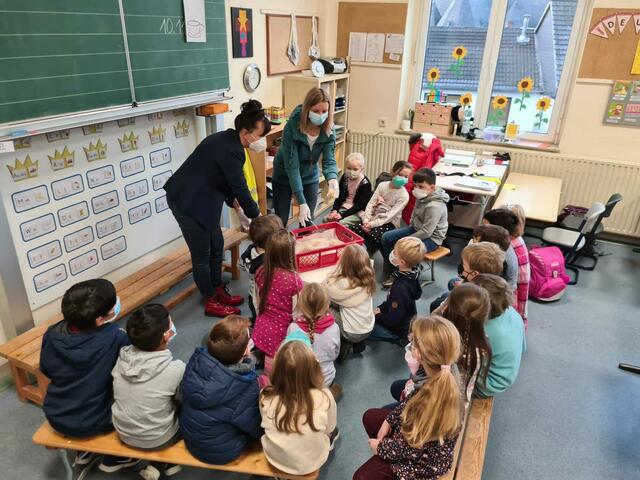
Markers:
394,43
375,47
195,23
357,46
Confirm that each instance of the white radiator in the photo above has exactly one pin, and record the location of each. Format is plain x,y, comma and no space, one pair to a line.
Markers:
584,180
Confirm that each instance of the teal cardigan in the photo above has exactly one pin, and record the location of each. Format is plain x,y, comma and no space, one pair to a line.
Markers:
296,164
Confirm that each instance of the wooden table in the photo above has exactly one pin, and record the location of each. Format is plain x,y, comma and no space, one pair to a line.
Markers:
539,196
449,183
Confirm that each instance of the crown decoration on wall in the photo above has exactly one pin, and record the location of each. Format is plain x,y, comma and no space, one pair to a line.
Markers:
64,159
22,171
24,142
128,142
95,152
181,129
157,134
95,128
125,122
59,135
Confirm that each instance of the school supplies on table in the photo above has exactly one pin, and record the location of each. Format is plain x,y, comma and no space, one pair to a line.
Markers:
476,183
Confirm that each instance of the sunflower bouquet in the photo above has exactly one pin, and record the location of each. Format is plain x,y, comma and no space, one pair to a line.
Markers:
458,55
542,106
524,86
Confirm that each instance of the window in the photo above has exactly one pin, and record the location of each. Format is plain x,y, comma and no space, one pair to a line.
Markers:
504,59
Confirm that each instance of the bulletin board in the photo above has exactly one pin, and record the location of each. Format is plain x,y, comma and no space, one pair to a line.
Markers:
611,45
83,202
278,31
369,18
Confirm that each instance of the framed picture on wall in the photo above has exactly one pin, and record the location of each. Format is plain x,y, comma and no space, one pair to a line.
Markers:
242,32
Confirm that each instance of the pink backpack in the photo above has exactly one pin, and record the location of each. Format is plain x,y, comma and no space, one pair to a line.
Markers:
548,278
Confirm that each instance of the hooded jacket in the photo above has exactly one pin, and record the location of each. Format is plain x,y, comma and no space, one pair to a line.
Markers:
296,164
220,413
356,305
79,397
399,308
430,217
145,387
360,199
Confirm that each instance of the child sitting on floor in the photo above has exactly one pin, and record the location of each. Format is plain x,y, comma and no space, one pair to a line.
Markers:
416,440
350,287
318,323
394,315
429,221
355,192
384,210
252,258
220,413
278,287
505,331
77,355
146,385
298,413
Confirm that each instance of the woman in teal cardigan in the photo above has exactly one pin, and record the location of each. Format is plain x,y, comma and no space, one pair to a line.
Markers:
307,141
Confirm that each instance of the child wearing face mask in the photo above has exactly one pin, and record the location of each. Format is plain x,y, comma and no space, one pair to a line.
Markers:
384,211
355,192
429,220
146,376
77,355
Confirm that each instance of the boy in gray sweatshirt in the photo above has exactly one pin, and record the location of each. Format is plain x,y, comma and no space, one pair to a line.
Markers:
429,220
146,384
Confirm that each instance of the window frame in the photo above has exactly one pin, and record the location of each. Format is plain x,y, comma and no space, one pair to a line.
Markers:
490,62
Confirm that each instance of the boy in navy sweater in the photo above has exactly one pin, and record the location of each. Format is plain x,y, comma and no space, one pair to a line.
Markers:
78,354
394,315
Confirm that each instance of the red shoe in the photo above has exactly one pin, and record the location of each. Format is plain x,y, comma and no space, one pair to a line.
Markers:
213,308
223,296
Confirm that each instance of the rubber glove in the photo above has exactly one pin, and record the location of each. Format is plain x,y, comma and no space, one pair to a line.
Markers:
333,189
245,222
304,215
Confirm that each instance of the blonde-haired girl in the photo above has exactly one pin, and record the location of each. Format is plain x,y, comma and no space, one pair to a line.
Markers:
298,413
318,323
416,440
350,288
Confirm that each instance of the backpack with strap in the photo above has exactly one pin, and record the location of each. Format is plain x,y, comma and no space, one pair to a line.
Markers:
548,277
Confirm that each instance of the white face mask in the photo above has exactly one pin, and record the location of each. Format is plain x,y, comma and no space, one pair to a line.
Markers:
173,330
412,363
259,145
116,311
419,194
392,259
354,174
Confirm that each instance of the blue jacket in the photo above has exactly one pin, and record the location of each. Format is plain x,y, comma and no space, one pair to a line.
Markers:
397,311
210,175
79,397
220,413
296,164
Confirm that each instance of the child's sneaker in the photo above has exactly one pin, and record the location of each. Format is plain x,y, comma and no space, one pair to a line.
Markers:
333,437
150,472
359,347
112,464
170,469
336,391
388,282
83,458
345,350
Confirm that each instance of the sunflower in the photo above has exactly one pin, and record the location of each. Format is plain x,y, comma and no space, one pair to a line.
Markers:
499,102
433,75
543,103
459,52
525,85
466,99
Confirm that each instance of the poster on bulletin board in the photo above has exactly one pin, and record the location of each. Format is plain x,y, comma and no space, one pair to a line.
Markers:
623,107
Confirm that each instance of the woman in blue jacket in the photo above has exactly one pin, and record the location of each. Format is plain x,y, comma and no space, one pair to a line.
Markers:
307,140
211,175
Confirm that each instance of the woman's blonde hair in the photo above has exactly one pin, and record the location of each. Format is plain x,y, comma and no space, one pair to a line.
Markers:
315,96
296,372
434,412
280,253
313,303
355,266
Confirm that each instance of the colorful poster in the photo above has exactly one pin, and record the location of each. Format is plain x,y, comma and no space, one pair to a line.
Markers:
623,106
242,32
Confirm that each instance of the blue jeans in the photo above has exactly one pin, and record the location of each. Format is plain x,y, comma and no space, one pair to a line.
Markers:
383,334
282,199
389,240
206,248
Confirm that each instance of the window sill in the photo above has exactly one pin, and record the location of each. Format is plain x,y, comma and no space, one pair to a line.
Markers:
521,144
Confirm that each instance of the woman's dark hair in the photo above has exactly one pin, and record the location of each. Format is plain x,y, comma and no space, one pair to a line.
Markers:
252,113
504,218
84,302
147,326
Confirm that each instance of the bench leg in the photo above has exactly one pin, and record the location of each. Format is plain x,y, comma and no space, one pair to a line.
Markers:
43,383
432,274
235,260
20,380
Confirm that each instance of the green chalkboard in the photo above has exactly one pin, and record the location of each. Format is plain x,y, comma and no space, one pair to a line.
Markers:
64,56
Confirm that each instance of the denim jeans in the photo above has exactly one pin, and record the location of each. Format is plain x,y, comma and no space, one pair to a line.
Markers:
206,248
389,240
382,334
282,199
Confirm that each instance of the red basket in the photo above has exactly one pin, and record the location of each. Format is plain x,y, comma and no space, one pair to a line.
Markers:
324,257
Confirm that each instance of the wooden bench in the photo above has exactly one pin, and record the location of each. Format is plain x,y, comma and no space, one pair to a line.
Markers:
431,258
23,351
251,462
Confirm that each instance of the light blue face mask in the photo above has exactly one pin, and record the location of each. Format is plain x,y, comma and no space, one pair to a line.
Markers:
116,311
399,181
318,119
